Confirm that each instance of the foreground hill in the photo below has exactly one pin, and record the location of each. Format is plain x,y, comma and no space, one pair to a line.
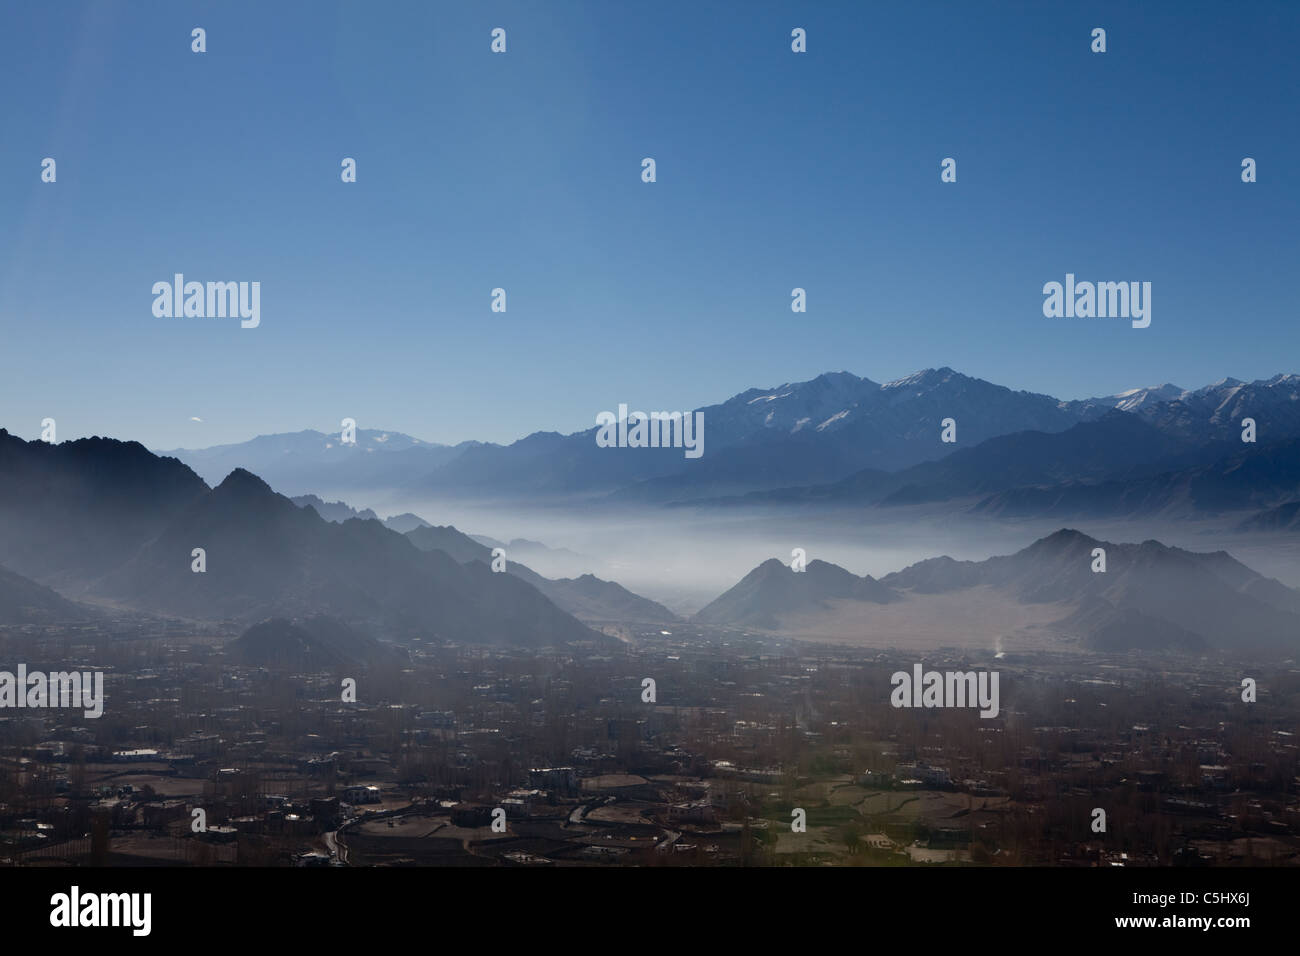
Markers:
23,601
309,644
109,519
72,511
267,557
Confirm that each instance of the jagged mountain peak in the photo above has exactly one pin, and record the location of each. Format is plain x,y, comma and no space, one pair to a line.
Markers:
243,481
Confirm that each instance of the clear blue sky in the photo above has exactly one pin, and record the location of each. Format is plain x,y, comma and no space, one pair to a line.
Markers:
522,170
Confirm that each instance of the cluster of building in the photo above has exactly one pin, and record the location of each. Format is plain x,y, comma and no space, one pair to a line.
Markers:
499,756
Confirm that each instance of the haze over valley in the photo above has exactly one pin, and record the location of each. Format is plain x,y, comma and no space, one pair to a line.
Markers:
616,537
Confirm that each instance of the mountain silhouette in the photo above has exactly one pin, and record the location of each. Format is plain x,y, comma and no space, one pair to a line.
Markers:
1205,599
1259,477
109,519
23,601
1151,596
72,511
312,643
774,591
333,510
588,597
266,557
834,428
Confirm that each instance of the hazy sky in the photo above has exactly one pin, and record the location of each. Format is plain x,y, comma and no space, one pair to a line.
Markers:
523,171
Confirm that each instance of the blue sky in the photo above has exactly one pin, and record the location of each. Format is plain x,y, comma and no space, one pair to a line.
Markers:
522,171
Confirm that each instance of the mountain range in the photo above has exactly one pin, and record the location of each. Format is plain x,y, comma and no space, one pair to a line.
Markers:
837,438
1179,456
587,597
1247,477
107,522
1150,596
112,523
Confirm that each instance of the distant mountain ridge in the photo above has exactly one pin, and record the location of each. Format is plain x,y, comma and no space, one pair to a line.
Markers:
1182,456
1254,476
1098,448
309,461
335,511
796,435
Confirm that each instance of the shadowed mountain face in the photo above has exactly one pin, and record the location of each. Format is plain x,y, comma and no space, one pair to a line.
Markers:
1155,459
1204,599
112,520
277,642
447,539
1282,518
72,511
1260,476
1117,443
796,433
1149,597
774,591
590,598
1215,473
265,556
25,602
309,644
587,598
1104,627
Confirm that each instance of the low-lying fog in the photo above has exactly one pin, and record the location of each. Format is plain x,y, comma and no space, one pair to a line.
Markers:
685,557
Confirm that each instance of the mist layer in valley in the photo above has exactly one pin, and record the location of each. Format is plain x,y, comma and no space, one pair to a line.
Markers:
685,557
907,533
